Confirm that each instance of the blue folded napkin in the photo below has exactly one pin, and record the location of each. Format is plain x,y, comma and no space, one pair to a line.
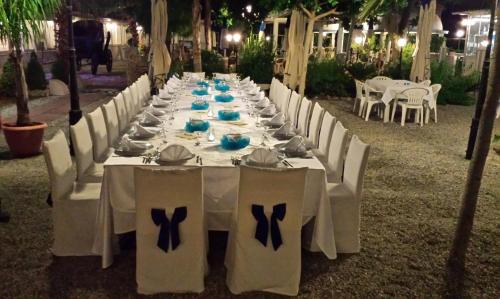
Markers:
228,115
199,105
218,81
202,84
200,92
222,87
198,125
224,98
234,141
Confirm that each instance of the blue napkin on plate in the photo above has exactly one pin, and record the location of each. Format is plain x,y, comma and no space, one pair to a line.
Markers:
195,125
200,92
199,105
224,98
228,115
222,87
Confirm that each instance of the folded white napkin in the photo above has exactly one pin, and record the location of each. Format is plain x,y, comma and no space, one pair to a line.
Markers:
269,110
278,119
158,102
129,145
163,93
263,156
263,103
175,152
296,144
151,119
141,131
155,111
245,81
285,130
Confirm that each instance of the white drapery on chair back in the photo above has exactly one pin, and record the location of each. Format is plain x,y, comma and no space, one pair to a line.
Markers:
82,146
304,112
252,265
356,161
129,103
421,66
163,264
293,108
112,123
121,111
285,99
99,135
337,153
325,135
159,57
315,125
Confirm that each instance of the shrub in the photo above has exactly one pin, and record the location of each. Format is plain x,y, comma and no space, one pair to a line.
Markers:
59,70
35,76
327,77
362,71
256,60
8,79
212,62
455,88
177,67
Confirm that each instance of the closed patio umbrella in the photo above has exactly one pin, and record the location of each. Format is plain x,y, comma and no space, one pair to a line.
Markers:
421,67
295,53
159,56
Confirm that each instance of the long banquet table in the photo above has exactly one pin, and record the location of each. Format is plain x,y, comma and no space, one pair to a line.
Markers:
116,212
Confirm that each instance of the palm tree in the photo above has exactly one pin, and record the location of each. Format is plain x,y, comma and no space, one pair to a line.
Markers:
21,20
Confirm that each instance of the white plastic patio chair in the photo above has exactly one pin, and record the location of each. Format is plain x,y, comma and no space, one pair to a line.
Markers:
293,108
360,97
325,136
426,82
87,171
335,162
121,111
381,78
99,134
170,259
74,205
414,100
315,125
372,97
255,259
436,88
303,120
112,123
346,198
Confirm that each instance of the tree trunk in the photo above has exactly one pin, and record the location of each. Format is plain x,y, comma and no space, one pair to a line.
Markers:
196,36
456,259
405,17
307,50
208,24
349,39
23,113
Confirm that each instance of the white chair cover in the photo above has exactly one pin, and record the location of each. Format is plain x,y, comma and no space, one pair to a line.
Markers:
111,119
285,99
303,120
293,108
121,111
272,89
315,125
99,135
74,205
335,161
346,198
251,265
87,171
129,103
181,269
136,96
325,136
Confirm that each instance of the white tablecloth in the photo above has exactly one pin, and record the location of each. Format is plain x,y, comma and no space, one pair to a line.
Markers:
390,89
117,205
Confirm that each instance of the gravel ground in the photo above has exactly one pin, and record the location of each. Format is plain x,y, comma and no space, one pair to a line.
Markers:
411,198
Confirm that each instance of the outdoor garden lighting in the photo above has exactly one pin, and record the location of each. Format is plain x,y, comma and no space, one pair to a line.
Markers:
249,8
402,42
229,37
358,40
467,22
268,38
485,43
460,33
236,37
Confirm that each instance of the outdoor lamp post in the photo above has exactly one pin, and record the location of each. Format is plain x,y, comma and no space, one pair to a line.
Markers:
74,113
460,34
401,45
234,39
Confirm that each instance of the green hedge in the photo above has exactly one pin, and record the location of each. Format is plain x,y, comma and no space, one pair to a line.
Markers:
455,88
328,76
35,76
212,62
256,60
8,79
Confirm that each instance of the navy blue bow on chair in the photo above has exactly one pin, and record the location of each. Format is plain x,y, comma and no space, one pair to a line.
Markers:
262,229
168,229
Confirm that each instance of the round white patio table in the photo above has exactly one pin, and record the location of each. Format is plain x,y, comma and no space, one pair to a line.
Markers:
392,89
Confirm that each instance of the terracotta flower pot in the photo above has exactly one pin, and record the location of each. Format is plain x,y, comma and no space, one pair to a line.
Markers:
24,141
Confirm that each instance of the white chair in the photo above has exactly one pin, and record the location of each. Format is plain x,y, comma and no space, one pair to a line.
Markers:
272,89
121,111
359,96
170,259
87,171
414,101
346,198
255,258
136,96
293,108
426,82
335,162
325,136
99,135
315,125
435,90
381,78
129,103
112,123
303,120
74,206
279,95
285,99
372,97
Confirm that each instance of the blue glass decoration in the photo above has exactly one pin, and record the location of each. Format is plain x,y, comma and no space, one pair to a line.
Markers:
229,115
200,92
222,87
234,141
224,98
218,81
202,84
197,126
199,105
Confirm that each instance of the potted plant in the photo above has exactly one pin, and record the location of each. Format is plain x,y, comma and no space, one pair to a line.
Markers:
22,20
